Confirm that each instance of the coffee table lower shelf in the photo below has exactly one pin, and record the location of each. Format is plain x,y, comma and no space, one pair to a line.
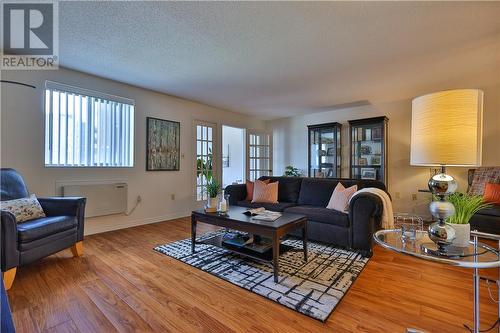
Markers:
266,256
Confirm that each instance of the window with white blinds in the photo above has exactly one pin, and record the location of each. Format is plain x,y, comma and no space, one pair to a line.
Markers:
85,128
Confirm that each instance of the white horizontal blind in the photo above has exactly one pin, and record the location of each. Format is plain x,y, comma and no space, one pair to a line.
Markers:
84,128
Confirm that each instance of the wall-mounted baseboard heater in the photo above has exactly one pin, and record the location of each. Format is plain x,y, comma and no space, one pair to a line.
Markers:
102,199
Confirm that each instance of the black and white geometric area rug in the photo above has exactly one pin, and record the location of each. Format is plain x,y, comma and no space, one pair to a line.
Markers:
313,288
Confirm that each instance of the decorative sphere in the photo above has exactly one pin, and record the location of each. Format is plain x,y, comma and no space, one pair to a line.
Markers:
442,209
441,234
442,184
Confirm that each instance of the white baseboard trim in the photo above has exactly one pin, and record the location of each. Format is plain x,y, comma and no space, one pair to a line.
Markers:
97,226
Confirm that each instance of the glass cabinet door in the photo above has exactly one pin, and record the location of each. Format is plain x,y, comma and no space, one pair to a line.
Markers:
324,150
369,148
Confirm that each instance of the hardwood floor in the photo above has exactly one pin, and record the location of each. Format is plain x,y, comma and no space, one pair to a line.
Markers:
121,284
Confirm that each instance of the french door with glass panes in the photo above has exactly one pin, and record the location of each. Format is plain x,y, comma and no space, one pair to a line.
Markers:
205,157
259,154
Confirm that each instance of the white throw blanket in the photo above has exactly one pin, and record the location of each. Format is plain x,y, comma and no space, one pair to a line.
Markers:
387,213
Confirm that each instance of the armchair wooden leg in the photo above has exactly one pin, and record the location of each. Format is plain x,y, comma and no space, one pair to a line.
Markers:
8,278
77,249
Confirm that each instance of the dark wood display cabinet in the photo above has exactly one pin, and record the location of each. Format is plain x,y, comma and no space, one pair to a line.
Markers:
368,148
325,150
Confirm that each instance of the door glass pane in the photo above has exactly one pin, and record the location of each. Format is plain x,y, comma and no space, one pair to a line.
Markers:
264,164
259,151
204,132
204,165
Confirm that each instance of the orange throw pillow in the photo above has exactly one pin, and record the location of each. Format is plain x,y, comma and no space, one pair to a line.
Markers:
492,193
250,189
265,193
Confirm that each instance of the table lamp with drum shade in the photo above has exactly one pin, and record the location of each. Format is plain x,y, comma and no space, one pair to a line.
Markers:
446,130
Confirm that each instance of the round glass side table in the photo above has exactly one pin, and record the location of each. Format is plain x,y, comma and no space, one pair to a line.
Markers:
476,256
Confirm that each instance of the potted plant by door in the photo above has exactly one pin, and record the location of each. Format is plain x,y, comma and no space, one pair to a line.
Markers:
213,189
465,207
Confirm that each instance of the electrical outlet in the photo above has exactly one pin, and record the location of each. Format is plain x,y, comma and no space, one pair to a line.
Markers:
414,196
139,198
172,196
397,195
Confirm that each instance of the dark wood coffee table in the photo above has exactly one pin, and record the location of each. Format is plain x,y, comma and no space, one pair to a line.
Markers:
236,220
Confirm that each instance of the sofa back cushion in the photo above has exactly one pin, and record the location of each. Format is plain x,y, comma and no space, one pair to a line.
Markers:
288,188
318,191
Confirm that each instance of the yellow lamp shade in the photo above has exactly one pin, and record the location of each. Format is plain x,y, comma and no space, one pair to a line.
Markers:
447,128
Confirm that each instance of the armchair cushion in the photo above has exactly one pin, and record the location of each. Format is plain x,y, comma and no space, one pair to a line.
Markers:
44,227
23,209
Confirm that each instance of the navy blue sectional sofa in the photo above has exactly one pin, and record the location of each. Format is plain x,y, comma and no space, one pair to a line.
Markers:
310,196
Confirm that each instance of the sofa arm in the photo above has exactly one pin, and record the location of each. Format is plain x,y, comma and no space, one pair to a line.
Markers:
236,193
9,252
71,206
365,210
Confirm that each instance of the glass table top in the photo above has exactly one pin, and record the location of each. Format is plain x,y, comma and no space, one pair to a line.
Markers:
484,257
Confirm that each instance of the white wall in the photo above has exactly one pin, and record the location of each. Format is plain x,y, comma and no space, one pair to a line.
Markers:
290,145
233,138
22,145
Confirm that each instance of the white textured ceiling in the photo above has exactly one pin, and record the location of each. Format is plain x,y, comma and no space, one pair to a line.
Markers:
274,59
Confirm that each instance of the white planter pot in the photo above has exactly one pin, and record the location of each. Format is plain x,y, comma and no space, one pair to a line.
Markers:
212,203
462,234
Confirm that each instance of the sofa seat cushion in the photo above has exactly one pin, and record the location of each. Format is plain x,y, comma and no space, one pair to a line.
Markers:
277,207
39,228
321,215
492,211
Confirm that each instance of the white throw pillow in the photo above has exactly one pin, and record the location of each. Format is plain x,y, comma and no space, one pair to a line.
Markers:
340,197
23,209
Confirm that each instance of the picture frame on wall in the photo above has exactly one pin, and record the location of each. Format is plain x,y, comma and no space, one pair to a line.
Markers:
330,152
362,161
162,144
368,173
375,160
